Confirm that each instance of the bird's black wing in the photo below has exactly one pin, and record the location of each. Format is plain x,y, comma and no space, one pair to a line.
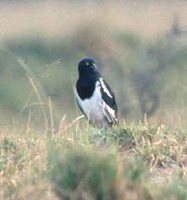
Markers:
109,105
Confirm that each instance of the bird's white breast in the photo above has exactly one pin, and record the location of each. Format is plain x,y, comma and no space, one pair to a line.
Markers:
92,106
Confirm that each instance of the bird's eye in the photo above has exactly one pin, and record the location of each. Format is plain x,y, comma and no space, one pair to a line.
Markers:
87,63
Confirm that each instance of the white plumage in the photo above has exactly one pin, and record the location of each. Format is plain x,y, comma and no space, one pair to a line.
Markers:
96,109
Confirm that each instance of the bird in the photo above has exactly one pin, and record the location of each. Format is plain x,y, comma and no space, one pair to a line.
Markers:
94,96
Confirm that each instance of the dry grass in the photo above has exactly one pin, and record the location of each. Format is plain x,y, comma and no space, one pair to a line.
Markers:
23,165
26,158
28,155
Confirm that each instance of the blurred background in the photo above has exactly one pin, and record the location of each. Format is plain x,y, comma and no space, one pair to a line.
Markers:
140,46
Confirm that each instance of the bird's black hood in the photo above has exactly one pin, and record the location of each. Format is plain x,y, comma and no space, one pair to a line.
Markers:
87,67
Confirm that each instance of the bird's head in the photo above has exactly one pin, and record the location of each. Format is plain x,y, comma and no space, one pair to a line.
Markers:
88,67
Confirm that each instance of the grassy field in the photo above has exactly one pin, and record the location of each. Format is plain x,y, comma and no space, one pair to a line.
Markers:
80,162
46,150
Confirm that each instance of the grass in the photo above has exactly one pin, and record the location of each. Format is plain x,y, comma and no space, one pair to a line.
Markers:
79,162
46,156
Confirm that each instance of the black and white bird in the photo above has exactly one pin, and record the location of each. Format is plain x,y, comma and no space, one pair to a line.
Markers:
94,96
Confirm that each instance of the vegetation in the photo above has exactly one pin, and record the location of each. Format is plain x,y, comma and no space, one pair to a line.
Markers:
46,150
80,162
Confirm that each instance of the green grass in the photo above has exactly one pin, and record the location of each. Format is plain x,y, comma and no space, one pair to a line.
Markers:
46,156
80,162
44,153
